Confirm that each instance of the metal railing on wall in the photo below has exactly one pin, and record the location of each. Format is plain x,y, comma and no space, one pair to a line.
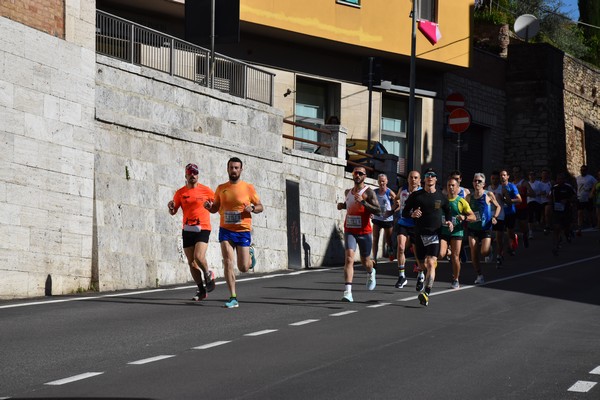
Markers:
119,38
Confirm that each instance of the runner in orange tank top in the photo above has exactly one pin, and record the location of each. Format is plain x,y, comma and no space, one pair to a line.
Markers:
360,203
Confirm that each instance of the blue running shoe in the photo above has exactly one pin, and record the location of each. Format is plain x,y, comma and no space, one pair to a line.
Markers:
232,303
252,257
371,281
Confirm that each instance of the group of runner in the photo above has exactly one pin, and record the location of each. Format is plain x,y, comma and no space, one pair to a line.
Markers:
236,201
433,223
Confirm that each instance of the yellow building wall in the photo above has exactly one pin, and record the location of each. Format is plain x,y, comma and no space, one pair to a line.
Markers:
378,24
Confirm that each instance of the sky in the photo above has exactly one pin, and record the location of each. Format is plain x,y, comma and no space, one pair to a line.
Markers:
570,8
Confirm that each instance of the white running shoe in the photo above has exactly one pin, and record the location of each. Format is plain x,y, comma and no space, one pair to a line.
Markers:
479,280
371,281
347,296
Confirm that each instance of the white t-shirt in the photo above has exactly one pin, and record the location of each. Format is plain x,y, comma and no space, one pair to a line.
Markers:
584,187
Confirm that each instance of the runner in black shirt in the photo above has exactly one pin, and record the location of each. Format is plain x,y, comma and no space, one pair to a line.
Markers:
426,207
561,197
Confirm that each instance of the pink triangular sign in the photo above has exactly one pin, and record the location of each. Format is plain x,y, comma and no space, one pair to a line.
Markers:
431,30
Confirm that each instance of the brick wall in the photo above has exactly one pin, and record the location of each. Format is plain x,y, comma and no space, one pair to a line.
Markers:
45,15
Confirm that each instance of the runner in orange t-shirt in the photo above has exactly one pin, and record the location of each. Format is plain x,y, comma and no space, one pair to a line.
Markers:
196,227
236,201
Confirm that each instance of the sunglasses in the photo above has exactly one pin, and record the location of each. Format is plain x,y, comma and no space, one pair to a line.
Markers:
191,171
359,173
477,181
430,175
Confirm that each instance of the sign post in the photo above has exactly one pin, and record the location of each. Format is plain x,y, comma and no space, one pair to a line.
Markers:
459,121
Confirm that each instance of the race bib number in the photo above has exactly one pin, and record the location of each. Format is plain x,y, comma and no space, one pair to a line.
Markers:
353,221
233,217
477,216
430,239
559,207
192,228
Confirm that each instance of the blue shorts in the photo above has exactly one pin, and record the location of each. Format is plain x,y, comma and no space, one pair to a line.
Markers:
364,242
242,239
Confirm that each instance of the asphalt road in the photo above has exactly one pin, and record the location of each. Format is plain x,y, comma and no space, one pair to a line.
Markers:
532,331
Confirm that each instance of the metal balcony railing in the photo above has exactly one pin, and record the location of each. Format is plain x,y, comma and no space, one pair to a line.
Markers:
119,38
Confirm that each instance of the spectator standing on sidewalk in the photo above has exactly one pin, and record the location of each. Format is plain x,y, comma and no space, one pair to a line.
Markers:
196,228
427,207
361,202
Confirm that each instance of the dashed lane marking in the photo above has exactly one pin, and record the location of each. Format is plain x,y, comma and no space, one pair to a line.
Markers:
150,360
306,321
74,378
582,386
340,314
263,332
379,305
213,344
595,371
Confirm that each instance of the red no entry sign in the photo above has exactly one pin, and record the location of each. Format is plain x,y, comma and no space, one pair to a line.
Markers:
459,120
454,101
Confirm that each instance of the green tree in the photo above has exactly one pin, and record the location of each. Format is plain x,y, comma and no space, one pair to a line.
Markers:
589,14
555,27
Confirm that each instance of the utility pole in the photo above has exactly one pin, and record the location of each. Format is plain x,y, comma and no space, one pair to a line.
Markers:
410,142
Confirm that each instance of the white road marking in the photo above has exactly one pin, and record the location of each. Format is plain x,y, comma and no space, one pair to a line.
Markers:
595,371
149,360
213,344
306,321
582,386
340,314
125,294
74,378
263,332
379,305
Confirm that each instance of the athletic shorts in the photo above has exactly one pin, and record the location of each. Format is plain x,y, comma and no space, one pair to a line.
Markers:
522,214
534,210
364,243
242,239
585,205
510,221
431,249
499,226
191,238
563,219
383,224
450,237
407,231
480,235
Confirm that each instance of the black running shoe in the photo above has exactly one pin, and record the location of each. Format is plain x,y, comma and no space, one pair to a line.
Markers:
420,282
423,299
401,282
210,281
200,295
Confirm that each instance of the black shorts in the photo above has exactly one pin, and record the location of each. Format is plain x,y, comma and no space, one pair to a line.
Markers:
431,250
522,214
510,220
585,205
191,238
383,224
499,226
480,235
563,219
409,232
534,210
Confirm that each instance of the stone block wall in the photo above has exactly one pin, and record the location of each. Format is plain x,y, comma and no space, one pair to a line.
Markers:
46,162
149,126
